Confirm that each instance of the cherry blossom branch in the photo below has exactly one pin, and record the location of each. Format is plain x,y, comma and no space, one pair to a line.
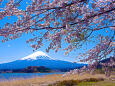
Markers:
108,45
102,28
98,14
64,5
17,3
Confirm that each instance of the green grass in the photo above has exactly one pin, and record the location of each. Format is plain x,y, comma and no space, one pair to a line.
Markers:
101,83
85,82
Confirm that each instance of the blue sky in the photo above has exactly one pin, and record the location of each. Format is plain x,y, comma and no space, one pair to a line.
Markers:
18,48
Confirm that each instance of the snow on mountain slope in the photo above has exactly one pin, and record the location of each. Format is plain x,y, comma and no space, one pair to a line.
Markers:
39,58
37,55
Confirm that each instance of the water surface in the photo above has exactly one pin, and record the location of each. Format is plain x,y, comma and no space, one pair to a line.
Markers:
10,76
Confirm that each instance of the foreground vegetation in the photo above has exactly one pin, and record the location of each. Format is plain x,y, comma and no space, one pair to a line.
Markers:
85,82
54,80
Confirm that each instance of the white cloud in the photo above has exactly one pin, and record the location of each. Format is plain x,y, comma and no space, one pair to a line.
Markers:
9,45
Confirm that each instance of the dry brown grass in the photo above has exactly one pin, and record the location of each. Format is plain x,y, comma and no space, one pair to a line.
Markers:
45,80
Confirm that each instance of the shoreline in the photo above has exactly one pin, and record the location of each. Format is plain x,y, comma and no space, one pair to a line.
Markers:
50,79
47,79
18,76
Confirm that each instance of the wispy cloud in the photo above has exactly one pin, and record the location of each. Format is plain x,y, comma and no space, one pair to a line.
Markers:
9,45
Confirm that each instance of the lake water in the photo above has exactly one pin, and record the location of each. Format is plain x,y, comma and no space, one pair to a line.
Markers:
10,76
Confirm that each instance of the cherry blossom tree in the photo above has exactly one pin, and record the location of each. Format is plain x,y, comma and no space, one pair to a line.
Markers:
73,22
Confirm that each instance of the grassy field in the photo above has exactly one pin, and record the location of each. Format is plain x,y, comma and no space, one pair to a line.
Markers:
84,82
52,79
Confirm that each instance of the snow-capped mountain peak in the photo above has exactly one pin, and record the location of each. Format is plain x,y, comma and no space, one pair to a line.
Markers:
40,58
37,55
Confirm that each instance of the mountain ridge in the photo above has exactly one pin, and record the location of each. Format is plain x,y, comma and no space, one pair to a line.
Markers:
38,59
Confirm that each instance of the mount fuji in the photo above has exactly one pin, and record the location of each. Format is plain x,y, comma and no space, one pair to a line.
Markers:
40,58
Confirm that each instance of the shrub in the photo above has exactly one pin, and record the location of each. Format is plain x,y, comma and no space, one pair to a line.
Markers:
93,80
66,83
75,82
